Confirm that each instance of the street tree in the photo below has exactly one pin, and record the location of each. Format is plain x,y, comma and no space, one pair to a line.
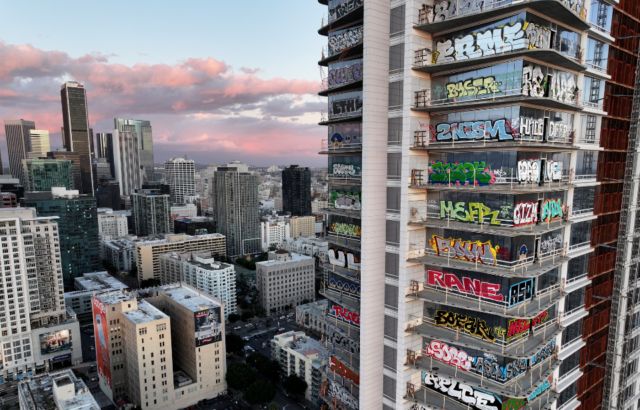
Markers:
294,385
234,343
270,369
259,392
240,376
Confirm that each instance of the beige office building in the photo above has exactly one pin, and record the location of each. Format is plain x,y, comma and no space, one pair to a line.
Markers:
148,253
39,143
302,226
136,337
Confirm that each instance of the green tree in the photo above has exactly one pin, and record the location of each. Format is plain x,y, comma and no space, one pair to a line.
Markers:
234,343
260,311
270,369
286,308
273,406
234,317
259,392
240,375
148,283
256,359
294,385
272,248
246,315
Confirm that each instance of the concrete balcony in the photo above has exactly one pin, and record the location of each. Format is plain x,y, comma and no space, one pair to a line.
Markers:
343,212
426,141
351,274
342,18
342,298
506,230
327,147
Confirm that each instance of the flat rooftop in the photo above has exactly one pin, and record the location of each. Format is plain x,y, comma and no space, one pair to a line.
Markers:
295,257
146,312
99,281
116,296
163,239
37,393
185,295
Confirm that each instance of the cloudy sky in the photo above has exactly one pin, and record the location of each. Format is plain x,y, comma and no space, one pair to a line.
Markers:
219,80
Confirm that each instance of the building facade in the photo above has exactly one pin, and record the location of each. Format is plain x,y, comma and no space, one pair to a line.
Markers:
80,299
74,157
112,224
285,280
43,174
273,234
144,135
296,190
39,143
126,161
77,136
120,253
151,213
188,210
18,145
199,225
302,226
179,174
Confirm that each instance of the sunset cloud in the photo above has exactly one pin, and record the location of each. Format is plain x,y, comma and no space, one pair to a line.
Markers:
199,106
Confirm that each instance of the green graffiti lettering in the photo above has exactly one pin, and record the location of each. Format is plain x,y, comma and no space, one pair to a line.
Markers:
462,173
474,212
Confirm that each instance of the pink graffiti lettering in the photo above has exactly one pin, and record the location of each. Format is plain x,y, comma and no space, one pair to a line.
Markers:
449,355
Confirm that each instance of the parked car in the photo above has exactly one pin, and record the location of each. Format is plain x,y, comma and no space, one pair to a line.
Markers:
237,328
282,317
282,329
246,338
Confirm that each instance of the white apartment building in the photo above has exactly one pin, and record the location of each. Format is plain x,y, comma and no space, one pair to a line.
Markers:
179,174
310,246
112,224
318,206
201,271
126,158
160,348
286,279
121,252
273,234
60,391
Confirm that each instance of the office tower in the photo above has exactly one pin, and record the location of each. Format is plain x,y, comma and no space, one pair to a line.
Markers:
143,132
39,143
296,190
85,287
74,157
202,271
36,332
151,212
41,174
161,188
172,332
285,281
302,226
78,227
467,199
62,389
18,145
126,161
108,194
77,136
199,225
149,250
101,171
236,208
104,149
180,176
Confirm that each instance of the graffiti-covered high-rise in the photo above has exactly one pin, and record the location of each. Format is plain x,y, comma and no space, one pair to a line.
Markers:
477,138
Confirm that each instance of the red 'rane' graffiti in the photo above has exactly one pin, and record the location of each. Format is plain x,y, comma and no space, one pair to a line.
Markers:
468,285
346,315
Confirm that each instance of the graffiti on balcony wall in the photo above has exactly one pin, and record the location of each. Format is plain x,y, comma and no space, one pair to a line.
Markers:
520,292
345,169
448,354
346,200
472,325
552,170
533,129
534,82
525,213
340,8
346,315
460,173
345,107
475,212
473,86
343,259
513,404
540,319
467,285
444,9
344,286
575,5
528,171
517,329
511,37
550,244
543,387
339,393
552,209
543,354
343,39
340,369
337,140
346,229
489,368
345,75
498,130
505,210
560,85
337,338
461,392
476,251
563,87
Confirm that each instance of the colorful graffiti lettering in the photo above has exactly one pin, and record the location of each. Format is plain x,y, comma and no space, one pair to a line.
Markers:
342,8
551,243
460,173
458,212
543,387
465,250
532,129
533,81
343,39
474,130
511,37
473,86
471,325
528,171
513,404
337,338
461,392
450,355
547,351
561,86
346,200
469,286
343,259
525,213
345,75
335,390
552,210
346,315
346,229
520,292
517,328
345,286
337,367
345,107
491,369
343,169
552,170
540,319
499,331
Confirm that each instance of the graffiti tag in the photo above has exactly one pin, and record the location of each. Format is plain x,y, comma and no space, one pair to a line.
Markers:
458,212
337,367
474,130
551,243
343,259
528,171
491,369
543,387
461,173
540,319
473,86
346,229
552,170
343,341
465,250
343,39
517,329
461,392
472,325
342,169
520,292
469,286
346,315
547,351
347,106
345,75
450,355
342,7
339,393
345,286
552,210
525,213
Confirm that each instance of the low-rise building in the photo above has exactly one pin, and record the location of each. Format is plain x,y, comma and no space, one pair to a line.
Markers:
80,299
310,246
273,234
121,252
286,279
61,391
199,225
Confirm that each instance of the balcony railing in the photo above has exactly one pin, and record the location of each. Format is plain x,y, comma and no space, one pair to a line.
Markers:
423,100
424,138
502,176
596,66
427,14
600,28
327,145
594,105
578,246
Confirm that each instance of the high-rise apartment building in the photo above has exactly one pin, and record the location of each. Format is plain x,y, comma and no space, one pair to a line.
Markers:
144,134
160,348
200,270
296,190
36,329
74,157
111,223
151,212
126,161
236,208
39,143
285,280
78,227
468,136
180,176
77,136
44,173
18,145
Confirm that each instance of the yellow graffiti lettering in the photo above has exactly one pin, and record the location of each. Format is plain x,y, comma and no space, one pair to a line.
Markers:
476,251
473,86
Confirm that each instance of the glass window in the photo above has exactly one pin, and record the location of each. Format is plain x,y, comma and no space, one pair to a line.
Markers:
572,332
597,54
570,363
396,57
574,300
593,90
394,165
587,163
580,233
397,20
396,90
391,264
578,266
395,131
600,15
583,198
